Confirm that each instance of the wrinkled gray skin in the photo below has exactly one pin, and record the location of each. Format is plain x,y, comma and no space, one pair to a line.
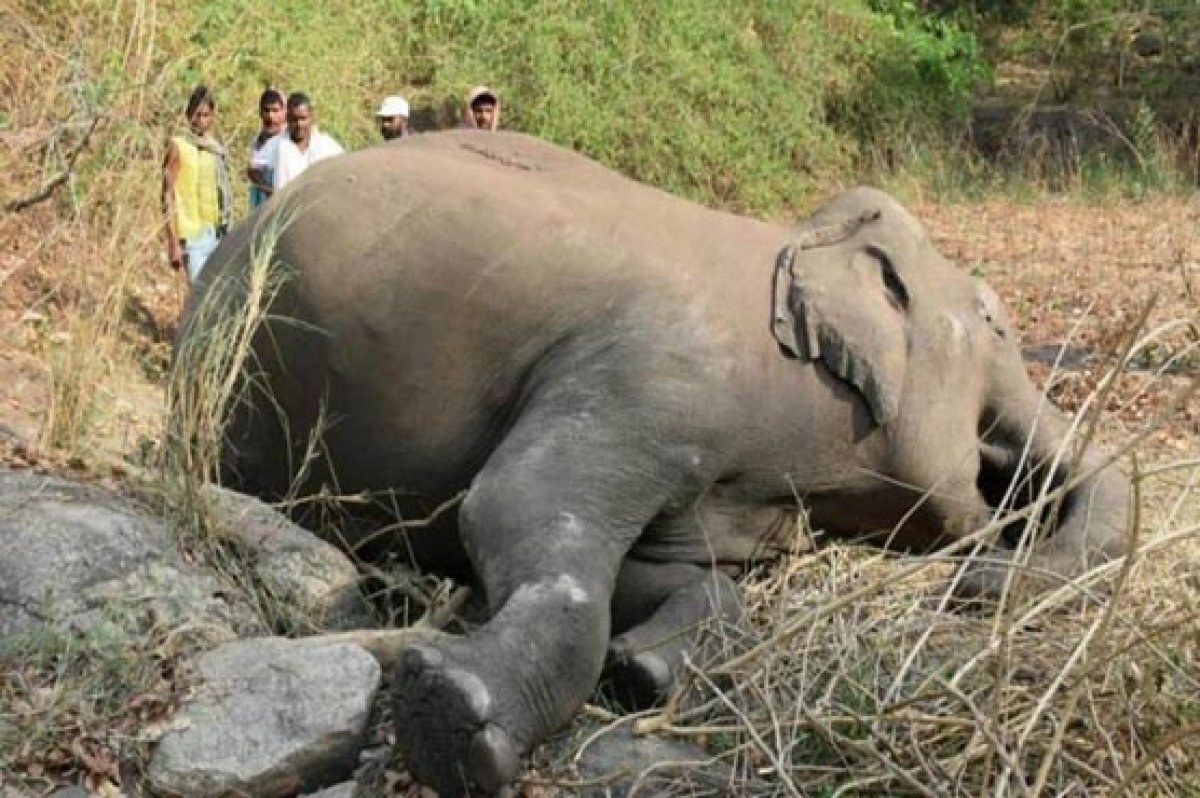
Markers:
632,390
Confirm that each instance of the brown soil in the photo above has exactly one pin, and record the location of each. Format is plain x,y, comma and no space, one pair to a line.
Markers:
1081,277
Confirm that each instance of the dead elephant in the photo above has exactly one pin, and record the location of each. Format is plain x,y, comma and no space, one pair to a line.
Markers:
631,389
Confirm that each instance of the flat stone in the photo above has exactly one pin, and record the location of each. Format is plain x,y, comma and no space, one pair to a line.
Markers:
617,764
273,718
69,792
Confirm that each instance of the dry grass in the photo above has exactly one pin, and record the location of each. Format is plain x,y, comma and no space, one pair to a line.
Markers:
215,366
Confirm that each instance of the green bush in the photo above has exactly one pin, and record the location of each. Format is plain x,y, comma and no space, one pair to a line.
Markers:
751,106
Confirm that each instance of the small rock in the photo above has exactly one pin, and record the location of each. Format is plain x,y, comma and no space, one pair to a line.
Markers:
274,717
70,792
1148,44
621,765
314,585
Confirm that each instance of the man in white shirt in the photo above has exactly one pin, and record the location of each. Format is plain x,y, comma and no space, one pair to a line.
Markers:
295,149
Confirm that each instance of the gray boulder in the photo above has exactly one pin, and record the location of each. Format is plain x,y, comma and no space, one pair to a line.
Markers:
74,557
273,717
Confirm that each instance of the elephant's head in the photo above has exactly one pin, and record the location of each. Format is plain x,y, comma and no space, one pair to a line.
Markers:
931,351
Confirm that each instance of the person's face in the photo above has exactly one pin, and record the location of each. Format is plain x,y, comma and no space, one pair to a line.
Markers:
484,112
271,115
392,127
299,123
201,119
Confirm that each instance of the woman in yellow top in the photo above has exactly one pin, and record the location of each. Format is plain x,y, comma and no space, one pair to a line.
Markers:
196,192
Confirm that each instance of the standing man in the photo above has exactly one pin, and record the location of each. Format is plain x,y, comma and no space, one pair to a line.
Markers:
270,113
393,117
483,109
196,194
294,150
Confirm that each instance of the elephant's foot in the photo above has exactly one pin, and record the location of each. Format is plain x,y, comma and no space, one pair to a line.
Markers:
646,662
982,582
639,679
447,727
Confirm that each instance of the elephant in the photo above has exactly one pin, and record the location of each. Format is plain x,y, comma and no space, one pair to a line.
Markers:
635,396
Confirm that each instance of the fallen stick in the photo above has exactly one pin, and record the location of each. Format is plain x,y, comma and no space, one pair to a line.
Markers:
385,645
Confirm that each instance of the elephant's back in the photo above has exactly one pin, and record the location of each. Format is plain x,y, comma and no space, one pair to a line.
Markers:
430,276
470,201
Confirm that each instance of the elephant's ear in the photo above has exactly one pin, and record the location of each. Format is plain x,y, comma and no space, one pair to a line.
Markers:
849,311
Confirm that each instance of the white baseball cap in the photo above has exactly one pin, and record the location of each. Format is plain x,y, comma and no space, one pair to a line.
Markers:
393,106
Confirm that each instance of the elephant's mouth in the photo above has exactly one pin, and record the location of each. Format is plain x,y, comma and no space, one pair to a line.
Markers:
1007,482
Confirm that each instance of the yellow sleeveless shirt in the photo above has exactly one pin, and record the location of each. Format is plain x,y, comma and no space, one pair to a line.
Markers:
197,203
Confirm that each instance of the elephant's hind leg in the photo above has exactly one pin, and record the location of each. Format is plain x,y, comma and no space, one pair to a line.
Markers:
546,525
677,602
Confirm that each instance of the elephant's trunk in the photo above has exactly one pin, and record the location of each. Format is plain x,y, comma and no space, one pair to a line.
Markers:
1092,525
1028,455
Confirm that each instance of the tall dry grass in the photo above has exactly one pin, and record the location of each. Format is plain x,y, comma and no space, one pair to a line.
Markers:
215,364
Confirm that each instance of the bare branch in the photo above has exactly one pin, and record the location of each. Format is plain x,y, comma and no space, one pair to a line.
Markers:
48,188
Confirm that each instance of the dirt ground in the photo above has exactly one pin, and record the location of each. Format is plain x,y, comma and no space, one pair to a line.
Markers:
1077,280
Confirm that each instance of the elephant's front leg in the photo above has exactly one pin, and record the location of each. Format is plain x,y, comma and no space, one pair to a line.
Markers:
546,525
661,611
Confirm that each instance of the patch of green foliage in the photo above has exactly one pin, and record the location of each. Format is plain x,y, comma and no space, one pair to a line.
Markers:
750,106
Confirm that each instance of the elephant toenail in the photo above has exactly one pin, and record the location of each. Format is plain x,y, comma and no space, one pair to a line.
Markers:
422,657
655,668
473,690
492,758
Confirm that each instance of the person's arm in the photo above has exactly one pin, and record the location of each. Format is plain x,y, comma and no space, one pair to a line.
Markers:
259,180
170,172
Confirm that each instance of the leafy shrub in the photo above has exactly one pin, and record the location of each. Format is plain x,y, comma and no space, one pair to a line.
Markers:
751,106
915,74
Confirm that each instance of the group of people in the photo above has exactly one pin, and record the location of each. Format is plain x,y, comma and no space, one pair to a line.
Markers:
197,191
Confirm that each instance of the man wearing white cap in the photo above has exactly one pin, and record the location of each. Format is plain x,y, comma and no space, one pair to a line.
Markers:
393,117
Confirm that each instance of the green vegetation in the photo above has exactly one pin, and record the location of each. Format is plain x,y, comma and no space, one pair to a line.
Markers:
754,106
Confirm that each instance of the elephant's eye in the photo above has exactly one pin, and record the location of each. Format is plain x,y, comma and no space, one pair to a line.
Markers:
891,280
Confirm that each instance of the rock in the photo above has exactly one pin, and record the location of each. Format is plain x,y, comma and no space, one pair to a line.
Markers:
619,764
315,585
1148,44
171,596
73,556
273,717
344,790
